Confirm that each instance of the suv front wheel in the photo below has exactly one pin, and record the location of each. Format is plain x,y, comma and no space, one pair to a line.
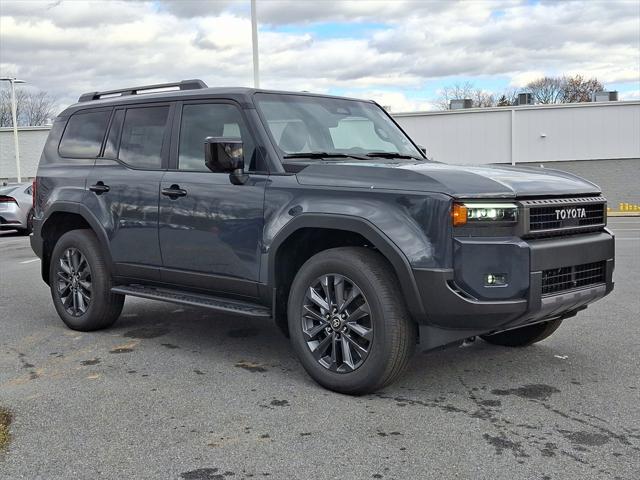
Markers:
348,322
80,283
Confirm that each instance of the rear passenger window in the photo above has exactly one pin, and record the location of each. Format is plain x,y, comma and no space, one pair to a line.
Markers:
84,133
142,134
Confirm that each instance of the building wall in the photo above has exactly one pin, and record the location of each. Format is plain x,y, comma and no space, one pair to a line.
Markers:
30,144
535,133
618,178
572,132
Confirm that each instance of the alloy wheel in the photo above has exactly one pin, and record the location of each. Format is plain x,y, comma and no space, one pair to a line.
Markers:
337,324
73,279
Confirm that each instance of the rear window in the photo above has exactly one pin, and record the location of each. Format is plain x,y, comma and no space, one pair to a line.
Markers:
84,133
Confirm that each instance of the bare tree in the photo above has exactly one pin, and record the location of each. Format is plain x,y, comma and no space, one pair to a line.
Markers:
482,98
564,89
547,90
5,106
508,98
39,109
579,89
32,108
457,91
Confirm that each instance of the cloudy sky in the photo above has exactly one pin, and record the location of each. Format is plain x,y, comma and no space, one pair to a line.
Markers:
400,53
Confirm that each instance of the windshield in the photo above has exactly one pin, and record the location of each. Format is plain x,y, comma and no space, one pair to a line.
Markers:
322,127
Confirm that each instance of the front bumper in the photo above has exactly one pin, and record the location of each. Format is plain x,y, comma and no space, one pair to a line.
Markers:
456,299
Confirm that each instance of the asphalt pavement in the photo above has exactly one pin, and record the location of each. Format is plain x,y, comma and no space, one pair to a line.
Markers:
179,393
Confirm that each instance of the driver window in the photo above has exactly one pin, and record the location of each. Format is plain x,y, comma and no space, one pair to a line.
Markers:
212,120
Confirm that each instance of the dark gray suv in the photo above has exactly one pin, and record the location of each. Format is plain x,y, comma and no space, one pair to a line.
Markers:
315,211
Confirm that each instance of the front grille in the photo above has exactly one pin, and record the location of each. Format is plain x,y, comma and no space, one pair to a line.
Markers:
556,280
546,218
556,216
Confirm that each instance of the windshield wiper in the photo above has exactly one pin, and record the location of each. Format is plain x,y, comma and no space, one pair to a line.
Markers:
392,155
322,155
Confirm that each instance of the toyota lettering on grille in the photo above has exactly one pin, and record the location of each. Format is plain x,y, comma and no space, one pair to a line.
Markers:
567,213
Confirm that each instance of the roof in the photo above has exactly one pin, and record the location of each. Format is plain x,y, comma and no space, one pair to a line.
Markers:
136,95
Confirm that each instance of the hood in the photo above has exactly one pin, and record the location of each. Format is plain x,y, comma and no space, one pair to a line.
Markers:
460,181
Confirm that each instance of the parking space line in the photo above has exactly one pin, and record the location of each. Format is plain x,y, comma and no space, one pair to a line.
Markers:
30,261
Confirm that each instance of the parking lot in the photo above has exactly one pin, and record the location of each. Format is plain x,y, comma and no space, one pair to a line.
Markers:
178,393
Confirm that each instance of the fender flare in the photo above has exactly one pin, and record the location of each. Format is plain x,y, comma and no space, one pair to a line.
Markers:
81,210
368,230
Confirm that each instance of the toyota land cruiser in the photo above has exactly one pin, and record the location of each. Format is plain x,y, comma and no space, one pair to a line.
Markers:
316,211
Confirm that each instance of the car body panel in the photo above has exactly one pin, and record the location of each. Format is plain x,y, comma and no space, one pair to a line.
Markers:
226,238
458,181
15,215
210,232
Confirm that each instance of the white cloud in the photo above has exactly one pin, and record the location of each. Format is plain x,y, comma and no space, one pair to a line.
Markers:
630,95
396,102
70,47
521,79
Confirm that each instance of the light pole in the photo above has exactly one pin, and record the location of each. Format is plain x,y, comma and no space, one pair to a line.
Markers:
254,42
16,148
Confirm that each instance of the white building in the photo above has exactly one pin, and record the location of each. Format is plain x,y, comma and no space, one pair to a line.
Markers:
607,134
528,133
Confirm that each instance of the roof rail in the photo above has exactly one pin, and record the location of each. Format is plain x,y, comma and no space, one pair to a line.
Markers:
194,84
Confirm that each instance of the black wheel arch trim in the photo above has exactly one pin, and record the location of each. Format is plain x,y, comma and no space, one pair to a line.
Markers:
369,231
76,209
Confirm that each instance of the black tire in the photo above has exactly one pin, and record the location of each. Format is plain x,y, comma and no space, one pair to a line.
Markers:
394,334
525,336
102,308
29,225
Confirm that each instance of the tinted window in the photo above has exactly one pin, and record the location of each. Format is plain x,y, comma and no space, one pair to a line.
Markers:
111,146
212,120
142,134
84,133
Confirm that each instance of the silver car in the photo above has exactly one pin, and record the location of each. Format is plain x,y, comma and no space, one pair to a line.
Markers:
16,207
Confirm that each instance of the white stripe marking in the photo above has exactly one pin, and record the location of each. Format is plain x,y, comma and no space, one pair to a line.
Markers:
31,261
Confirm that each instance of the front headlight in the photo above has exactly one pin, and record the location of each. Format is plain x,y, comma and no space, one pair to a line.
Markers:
483,213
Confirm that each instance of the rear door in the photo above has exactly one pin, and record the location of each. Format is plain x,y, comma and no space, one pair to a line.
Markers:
211,234
124,186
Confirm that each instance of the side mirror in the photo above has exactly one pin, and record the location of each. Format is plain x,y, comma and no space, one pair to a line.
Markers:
423,149
224,155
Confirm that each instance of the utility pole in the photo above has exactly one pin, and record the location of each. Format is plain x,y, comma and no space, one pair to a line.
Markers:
16,147
254,41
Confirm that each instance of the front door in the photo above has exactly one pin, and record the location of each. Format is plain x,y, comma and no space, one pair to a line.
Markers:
211,230
124,188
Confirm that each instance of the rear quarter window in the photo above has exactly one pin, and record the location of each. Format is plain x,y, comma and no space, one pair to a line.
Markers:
82,138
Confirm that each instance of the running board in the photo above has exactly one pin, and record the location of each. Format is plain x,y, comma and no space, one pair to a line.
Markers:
194,300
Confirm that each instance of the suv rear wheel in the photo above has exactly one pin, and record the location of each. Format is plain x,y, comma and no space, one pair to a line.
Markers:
81,283
348,323
525,336
29,225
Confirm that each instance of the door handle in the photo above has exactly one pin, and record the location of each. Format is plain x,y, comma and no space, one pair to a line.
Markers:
99,188
173,192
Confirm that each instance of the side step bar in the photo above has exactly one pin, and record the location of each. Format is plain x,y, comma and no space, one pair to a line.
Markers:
194,300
